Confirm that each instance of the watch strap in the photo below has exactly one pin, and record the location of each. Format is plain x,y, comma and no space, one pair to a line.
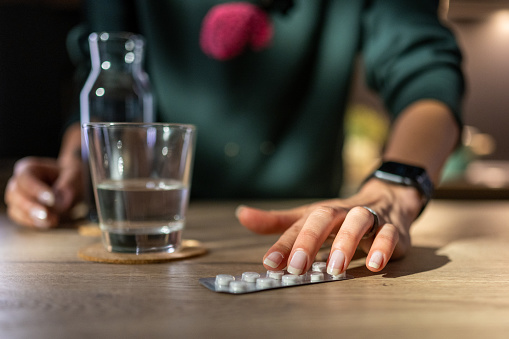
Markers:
406,175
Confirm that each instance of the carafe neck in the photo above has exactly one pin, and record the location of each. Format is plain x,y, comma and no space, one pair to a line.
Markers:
116,52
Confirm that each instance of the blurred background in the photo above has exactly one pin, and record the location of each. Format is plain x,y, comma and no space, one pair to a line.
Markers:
35,78
479,169
36,84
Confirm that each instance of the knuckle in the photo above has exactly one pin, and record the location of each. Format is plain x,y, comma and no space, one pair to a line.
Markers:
21,164
311,234
287,239
386,237
324,212
283,245
388,234
361,211
284,248
347,235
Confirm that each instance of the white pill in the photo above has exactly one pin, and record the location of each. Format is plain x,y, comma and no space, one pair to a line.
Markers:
238,286
222,288
316,276
320,266
291,279
275,274
250,276
224,279
265,282
339,276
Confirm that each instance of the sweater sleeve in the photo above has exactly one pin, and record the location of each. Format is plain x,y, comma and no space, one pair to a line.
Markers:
409,55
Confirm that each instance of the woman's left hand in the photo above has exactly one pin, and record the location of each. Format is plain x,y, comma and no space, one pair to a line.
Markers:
304,229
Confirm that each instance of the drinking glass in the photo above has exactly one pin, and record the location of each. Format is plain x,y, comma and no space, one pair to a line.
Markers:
141,176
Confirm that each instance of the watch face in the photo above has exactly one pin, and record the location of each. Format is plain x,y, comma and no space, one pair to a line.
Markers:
401,169
407,175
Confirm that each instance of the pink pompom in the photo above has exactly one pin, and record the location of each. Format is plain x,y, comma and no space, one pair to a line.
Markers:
228,29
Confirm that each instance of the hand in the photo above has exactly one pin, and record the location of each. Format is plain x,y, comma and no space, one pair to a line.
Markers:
304,229
40,191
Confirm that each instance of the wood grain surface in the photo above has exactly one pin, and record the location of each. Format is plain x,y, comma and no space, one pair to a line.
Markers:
453,284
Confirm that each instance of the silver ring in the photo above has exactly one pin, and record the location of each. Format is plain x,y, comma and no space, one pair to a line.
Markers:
373,228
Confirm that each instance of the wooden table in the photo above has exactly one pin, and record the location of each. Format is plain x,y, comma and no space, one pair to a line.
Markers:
453,284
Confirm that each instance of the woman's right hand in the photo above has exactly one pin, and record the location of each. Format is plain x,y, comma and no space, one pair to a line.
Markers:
41,191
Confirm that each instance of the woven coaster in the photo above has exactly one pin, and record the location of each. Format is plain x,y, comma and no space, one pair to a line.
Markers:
97,253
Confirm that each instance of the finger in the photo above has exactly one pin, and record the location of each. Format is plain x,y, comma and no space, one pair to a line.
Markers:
383,247
27,162
357,222
268,222
27,213
277,256
66,189
36,220
19,218
9,190
321,221
24,210
34,188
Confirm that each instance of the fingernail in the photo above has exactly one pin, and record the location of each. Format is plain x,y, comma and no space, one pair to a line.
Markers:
238,210
47,198
298,262
376,260
336,263
39,216
273,260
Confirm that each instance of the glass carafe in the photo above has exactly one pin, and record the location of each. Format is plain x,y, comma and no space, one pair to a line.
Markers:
117,89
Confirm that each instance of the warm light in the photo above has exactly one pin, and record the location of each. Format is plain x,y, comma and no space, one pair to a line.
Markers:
493,174
482,144
500,21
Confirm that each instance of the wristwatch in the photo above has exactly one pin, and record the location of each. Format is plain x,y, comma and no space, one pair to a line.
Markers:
406,175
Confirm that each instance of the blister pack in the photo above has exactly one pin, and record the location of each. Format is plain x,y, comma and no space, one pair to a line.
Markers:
250,282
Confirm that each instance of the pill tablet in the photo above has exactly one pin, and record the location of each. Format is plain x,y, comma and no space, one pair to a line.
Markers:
224,279
320,266
238,287
275,274
250,282
291,279
265,282
316,276
250,276
339,276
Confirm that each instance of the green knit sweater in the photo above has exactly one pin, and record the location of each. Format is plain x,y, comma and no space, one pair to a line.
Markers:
270,123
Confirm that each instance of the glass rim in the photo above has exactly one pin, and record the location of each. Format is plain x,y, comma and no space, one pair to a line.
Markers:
172,125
